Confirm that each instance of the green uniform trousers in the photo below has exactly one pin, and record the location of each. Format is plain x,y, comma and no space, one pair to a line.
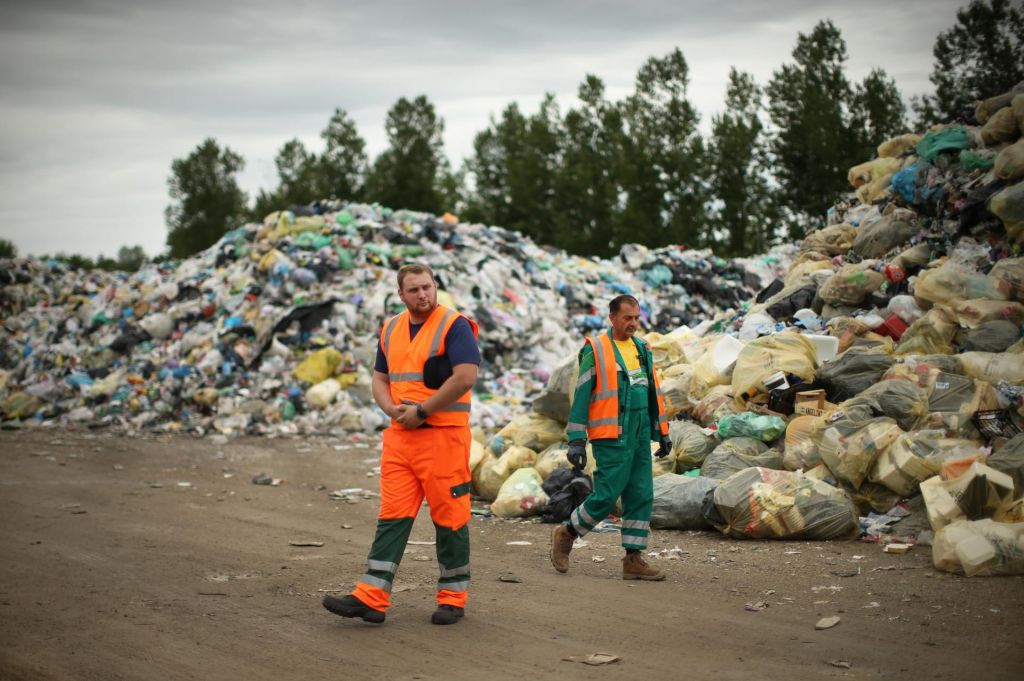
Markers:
623,470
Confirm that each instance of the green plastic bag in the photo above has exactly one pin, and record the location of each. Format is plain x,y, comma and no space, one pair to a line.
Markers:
972,160
947,139
748,424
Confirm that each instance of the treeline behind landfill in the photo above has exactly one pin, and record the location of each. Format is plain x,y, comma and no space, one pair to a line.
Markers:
599,174
635,170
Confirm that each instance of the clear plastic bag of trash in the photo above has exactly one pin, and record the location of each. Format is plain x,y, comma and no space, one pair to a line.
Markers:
976,493
690,445
851,285
675,388
761,503
1009,459
801,453
739,453
852,372
980,548
554,400
916,456
904,401
678,500
849,442
520,496
714,405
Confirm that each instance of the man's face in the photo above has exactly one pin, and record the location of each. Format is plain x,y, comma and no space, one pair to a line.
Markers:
626,321
419,293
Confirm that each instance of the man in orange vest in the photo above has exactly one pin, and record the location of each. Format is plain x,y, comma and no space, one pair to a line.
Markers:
427,362
619,406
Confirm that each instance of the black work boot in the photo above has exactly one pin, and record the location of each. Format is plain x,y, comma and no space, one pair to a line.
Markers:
447,614
350,606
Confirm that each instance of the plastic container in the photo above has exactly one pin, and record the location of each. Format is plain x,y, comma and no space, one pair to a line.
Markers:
825,347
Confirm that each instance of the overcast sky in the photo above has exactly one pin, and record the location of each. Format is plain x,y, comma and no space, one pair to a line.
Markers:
97,98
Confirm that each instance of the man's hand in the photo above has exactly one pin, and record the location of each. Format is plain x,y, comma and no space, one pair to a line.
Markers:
664,447
406,415
577,454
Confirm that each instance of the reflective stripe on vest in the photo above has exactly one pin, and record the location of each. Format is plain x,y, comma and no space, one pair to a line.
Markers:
603,412
406,359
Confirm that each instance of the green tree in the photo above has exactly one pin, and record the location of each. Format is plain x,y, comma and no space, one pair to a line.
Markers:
413,171
745,212
663,165
813,144
587,196
131,258
206,200
877,112
341,169
8,249
496,152
297,174
981,56
514,165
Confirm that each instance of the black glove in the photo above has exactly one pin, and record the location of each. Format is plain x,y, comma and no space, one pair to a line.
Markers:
664,447
577,454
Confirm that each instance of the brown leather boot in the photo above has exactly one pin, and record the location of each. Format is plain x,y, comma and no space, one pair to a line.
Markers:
635,567
561,545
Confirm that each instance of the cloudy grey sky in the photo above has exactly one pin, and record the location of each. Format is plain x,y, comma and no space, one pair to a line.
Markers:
98,97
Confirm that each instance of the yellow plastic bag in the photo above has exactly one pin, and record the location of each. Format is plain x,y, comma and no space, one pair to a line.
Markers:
831,241
850,285
798,276
1008,206
790,353
932,334
1009,163
873,178
1001,127
947,284
319,366
555,457
1011,271
531,430
520,495
898,146
675,388
495,470
972,313
993,367
477,453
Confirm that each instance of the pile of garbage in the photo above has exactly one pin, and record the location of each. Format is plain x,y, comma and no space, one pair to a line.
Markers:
273,329
879,380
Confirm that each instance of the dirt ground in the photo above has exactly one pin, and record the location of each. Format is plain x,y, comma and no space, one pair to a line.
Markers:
159,558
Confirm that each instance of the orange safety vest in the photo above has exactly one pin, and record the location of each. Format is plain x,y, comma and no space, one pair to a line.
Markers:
603,414
406,360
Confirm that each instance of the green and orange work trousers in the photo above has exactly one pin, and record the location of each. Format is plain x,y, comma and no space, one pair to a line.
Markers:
431,462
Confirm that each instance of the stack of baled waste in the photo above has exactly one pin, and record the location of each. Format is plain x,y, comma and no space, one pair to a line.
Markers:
883,373
273,329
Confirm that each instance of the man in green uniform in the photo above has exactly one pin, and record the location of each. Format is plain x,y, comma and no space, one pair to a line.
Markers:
617,404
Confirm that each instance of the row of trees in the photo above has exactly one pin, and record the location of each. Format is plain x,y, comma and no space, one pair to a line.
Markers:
638,169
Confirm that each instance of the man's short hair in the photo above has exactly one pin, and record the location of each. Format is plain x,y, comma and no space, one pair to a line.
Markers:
413,268
617,302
